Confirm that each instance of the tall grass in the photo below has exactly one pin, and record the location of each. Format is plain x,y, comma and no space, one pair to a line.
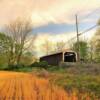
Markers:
21,86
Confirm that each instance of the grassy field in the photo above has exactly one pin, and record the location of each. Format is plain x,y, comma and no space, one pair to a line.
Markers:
83,77
22,86
80,81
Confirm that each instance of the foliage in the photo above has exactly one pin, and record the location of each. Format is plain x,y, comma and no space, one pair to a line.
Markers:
47,46
42,64
4,48
83,48
96,45
98,22
59,46
95,42
27,58
4,43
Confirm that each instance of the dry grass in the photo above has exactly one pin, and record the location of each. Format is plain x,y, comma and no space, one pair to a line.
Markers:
21,86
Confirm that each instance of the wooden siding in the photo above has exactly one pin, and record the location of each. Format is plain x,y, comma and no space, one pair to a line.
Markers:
53,59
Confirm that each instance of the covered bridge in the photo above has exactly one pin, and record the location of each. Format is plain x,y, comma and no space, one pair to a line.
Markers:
55,59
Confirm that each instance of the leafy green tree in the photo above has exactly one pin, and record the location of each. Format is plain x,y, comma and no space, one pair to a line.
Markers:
98,22
4,43
4,48
96,45
83,48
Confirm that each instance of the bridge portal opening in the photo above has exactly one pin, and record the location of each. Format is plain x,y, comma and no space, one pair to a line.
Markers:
69,57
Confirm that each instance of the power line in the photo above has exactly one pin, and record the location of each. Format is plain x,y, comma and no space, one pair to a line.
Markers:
80,33
89,29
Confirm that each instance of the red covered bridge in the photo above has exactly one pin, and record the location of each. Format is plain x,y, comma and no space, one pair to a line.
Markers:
55,59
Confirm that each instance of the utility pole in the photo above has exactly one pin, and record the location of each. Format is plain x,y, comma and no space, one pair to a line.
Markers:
78,46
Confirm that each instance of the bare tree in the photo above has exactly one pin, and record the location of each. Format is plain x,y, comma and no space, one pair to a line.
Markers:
19,31
47,47
59,46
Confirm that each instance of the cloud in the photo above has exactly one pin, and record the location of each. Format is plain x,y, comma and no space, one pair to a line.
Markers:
46,11
63,11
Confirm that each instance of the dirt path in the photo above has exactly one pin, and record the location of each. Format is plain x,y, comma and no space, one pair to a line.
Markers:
21,86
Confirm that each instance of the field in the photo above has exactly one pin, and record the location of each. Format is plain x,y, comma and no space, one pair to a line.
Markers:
22,86
83,78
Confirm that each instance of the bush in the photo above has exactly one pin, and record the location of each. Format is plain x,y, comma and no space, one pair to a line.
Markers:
42,64
35,64
14,67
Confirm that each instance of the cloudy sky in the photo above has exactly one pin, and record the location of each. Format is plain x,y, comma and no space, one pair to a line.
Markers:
53,19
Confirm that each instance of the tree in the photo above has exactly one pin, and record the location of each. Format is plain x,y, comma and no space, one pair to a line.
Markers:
83,49
47,47
27,58
59,46
96,45
4,48
95,42
91,52
4,43
19,31
98,22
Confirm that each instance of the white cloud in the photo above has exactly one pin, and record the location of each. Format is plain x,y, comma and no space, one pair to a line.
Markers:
45,11
63,11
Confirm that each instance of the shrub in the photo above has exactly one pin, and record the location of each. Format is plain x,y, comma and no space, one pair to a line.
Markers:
14,67
35,64
42,64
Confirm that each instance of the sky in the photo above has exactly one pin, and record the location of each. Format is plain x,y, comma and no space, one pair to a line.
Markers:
52,19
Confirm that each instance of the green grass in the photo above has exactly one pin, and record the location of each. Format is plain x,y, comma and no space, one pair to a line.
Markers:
83,78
